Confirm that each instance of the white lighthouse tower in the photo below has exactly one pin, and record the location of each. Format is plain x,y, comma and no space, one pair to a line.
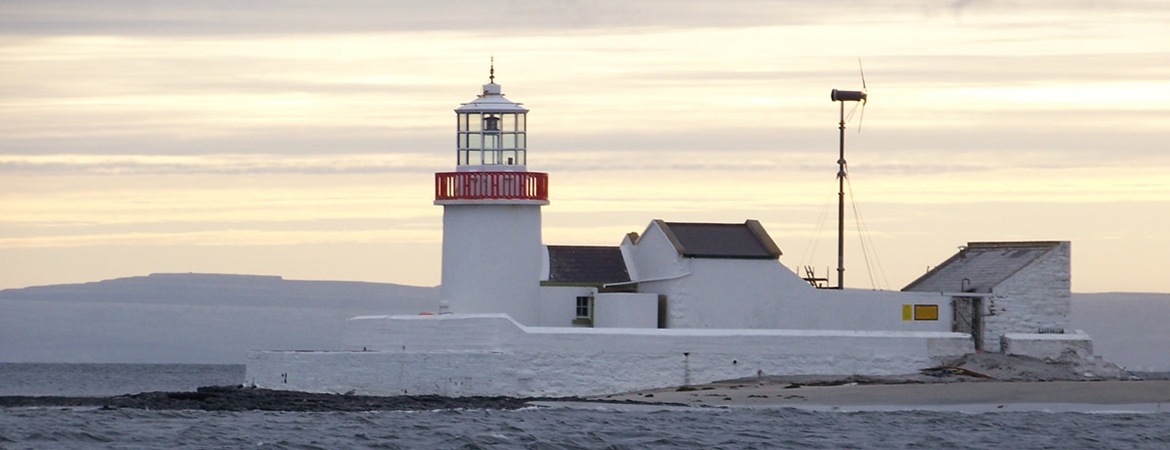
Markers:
491,212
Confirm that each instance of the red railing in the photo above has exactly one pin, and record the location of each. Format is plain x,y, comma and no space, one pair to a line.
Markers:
491,186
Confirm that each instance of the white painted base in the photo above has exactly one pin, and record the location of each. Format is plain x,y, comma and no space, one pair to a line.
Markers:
491,258
1049,347
490,354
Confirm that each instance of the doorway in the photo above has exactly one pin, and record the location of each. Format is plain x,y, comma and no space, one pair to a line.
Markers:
968,319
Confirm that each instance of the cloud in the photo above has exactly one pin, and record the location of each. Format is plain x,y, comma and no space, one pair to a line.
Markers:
222,17
218,164
363,16
960,141
249,237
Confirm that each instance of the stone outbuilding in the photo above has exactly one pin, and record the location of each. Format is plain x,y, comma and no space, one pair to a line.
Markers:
1005,287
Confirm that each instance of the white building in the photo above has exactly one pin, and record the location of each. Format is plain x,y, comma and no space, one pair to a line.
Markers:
491,212
680,303
1005,287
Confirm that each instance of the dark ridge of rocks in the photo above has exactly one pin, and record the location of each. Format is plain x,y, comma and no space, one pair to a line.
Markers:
240,398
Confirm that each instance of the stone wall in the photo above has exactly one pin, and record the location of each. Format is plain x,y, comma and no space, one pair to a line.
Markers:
1049,347
465,355
1037,299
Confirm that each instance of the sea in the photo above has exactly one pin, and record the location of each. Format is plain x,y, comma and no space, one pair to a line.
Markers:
579,426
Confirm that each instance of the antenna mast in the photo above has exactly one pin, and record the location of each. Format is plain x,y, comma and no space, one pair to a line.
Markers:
843,96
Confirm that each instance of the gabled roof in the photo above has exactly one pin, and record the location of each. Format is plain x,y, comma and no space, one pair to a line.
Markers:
980,266
746,240
586,265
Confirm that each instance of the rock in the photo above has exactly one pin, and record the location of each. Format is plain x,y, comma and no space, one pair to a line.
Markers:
239,398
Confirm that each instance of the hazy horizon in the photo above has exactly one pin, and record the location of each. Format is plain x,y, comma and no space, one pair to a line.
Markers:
204,318
284,278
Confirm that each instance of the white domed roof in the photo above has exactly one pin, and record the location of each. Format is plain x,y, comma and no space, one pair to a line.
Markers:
492,100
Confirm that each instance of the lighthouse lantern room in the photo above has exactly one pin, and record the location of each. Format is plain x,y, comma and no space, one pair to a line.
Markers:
491,212
491,132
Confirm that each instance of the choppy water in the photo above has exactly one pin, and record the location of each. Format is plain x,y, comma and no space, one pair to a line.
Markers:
565,428
99,380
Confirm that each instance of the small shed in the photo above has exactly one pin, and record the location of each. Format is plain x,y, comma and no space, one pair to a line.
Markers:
1005,287
589,286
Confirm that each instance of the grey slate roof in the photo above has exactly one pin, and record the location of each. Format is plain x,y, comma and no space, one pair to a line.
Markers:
746,240
586,265
984,264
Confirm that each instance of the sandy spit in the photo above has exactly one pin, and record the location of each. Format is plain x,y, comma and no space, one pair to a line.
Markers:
977,379
766,393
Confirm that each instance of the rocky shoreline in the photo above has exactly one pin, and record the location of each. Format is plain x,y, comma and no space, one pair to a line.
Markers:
977,378
241,398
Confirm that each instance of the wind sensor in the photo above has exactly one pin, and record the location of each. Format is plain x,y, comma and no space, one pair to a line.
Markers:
845,96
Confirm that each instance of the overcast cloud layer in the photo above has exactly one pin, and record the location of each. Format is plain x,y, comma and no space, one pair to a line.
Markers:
298,17
254,137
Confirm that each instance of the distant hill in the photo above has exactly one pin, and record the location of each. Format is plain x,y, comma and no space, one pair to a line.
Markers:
208,318
1129,329
189,318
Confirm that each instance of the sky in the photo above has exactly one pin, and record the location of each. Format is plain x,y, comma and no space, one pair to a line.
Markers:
300,138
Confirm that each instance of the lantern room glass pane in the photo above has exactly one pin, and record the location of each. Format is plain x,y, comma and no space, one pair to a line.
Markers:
491,122
491,138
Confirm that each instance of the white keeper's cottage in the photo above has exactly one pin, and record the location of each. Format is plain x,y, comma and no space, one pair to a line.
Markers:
679,303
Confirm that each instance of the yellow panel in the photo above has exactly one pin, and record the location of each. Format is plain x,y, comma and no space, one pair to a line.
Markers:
906,311
925,312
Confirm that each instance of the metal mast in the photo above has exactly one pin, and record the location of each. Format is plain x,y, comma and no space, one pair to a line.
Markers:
843,96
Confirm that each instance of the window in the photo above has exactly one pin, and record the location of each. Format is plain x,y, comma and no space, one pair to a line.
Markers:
491,122
584,307
584,311
500,136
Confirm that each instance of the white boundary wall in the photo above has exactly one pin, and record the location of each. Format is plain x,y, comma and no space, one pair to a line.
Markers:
490,354
1049,347
764,294
625,310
